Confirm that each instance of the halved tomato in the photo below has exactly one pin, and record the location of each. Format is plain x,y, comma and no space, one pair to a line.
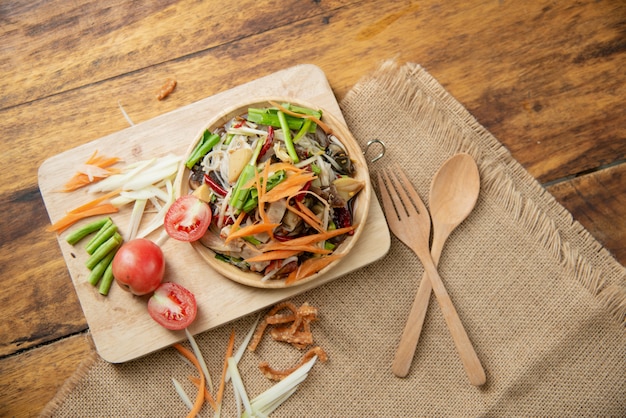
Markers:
173,306
188,218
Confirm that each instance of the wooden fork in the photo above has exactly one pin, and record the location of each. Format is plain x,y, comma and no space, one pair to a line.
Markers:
409,221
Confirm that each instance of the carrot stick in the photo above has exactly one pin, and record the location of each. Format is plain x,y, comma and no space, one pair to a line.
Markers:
200,397
250,230
81,179
95,202
272,255
229,353
308,211
289,187
238,221
311,239
73,217
278,246
286,167
311,266
207,395
312,221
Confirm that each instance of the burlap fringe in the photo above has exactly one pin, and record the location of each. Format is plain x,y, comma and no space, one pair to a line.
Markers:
420,95
70,384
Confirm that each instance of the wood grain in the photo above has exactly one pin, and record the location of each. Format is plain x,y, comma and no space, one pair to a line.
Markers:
29,381
546,78
597,201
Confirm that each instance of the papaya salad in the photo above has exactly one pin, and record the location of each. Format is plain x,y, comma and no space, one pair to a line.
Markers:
281,189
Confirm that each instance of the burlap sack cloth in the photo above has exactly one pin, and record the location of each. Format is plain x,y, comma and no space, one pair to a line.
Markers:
542,301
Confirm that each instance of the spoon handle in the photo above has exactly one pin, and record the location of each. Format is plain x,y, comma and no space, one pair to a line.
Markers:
415,321
464,347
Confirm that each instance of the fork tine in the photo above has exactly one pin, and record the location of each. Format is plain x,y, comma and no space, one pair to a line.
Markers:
401,199
384,194
414,197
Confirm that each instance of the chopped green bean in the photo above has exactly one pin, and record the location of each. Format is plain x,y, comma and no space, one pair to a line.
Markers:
107,233
81,233
107,278
98,270
107,224
104,249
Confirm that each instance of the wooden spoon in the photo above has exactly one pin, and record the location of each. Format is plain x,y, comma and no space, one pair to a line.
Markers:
453,195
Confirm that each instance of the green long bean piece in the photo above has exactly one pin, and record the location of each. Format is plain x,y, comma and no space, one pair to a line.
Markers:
107,224
108,246
107,278
81,233
107,233
98,270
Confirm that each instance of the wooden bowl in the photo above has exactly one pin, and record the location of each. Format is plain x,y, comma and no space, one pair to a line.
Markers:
360,205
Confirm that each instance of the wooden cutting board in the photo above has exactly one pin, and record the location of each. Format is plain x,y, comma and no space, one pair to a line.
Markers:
119,323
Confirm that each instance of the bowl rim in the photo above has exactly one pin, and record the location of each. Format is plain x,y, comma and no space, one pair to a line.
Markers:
355,152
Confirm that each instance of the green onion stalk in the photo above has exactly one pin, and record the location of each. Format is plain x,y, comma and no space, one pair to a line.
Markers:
205,145
291,149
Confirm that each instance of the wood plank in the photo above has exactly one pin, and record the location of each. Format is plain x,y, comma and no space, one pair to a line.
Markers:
28,381
48,44
597,201
33,275
555,100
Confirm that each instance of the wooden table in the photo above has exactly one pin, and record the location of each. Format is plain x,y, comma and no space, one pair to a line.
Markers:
546,78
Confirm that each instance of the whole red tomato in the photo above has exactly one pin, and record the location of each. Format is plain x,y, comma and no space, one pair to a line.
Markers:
139,266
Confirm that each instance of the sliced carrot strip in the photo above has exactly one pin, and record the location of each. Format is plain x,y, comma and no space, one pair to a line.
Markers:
308,211
81,179
200,397
312,221
289,187
286,167
95,202
238,221
207,395
229,353
278,246
272,255
71,218
311,239
250,230
311,266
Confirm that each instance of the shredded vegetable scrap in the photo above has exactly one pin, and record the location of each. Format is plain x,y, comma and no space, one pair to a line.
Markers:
201,389
166,89
97,167
229,353
277,175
